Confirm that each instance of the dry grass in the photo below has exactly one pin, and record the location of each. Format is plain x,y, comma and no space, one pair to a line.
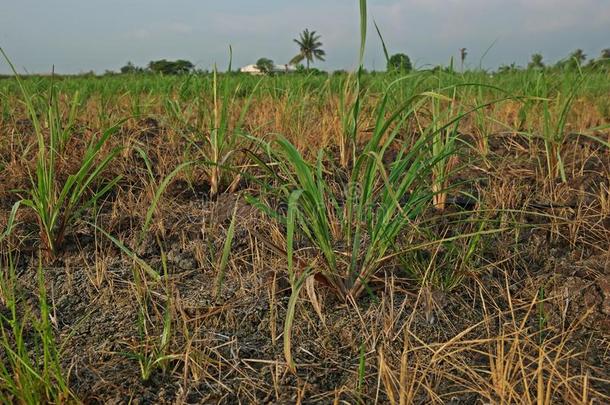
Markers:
527,320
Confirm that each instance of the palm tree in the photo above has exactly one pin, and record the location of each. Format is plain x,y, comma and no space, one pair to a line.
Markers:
536,62
463,53
603,62
578,56
573,61
309,44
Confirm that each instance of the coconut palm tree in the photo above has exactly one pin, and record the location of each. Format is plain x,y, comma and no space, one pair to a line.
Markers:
603,62
463,54
578,56
536,62
309,48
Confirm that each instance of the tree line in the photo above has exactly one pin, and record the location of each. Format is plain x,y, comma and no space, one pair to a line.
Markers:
575,60
310,51
163,66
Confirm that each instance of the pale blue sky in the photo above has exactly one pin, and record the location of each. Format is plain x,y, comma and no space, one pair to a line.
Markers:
82,35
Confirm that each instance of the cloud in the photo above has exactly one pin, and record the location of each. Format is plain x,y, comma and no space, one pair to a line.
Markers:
549,16
159,30
141,33
465,17
179,28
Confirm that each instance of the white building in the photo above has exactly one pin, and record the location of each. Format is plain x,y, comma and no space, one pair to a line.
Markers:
253,70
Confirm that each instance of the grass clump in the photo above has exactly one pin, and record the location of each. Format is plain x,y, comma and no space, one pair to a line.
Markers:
30,360
58,204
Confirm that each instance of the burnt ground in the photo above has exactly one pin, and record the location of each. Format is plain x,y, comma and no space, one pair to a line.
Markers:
535,302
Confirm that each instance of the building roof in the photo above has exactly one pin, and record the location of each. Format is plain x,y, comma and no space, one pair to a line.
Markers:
276,68
249,69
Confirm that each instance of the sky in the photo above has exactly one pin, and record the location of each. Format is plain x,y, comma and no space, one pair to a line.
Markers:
82,35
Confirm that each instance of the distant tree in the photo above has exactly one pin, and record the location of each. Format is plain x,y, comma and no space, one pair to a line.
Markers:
536,62
317,72
129,68
463,54
573,61
504,69
601,63
399,62
309,48
578,56
177,67
264,65
508,68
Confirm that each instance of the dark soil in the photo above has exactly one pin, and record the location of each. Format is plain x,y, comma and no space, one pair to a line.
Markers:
231,344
